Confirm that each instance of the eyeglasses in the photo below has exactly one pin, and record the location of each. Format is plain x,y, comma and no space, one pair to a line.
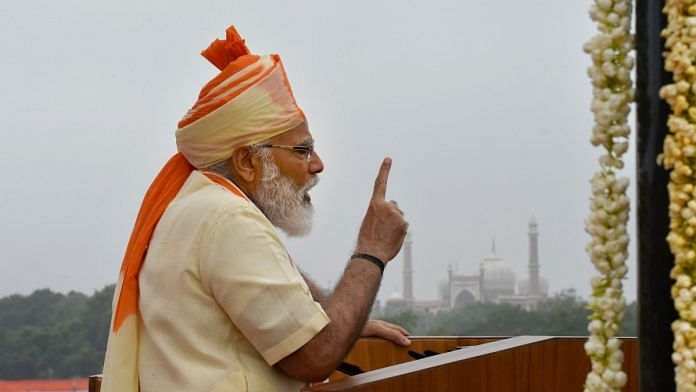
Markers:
308,150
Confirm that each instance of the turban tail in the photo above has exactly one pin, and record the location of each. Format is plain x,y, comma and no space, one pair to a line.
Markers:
248,102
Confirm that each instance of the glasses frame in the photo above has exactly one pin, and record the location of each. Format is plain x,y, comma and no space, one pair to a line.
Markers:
309,150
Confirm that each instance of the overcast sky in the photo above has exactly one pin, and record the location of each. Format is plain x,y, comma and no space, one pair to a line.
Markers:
483,106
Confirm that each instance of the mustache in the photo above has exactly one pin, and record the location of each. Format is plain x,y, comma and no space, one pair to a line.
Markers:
313,181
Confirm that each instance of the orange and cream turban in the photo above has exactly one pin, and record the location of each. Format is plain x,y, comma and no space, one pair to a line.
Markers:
248,102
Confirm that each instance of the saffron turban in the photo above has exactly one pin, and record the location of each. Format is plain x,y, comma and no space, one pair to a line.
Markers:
249,101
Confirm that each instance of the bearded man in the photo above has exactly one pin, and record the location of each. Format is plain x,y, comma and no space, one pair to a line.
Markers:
208,297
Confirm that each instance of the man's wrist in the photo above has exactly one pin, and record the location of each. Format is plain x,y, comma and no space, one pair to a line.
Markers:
376,261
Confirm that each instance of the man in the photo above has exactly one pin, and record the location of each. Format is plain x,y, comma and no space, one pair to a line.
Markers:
208,298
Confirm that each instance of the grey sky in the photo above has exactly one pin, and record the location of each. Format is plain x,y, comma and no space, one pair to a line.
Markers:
483,106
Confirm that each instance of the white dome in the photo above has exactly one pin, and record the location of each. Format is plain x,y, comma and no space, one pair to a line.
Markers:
396,296
523,286
497,275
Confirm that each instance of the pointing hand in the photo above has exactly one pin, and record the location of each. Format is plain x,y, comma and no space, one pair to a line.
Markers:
383,229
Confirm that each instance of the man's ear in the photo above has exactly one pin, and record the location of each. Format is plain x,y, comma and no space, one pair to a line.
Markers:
245,164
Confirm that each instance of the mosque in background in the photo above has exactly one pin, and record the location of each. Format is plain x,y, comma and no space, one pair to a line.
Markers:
495,282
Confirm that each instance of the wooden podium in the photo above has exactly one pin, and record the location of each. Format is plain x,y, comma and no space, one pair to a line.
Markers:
475,364
520,364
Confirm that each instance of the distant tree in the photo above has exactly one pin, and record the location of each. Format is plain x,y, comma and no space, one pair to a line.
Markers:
49,334
482,319
41,308
405,318
560,315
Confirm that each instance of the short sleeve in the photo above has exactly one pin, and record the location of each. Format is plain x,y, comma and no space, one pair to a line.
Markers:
247,269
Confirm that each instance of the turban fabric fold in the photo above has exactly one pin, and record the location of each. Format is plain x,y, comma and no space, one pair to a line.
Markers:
248,102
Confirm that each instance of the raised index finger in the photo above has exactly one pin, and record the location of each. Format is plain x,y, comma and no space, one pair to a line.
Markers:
380,190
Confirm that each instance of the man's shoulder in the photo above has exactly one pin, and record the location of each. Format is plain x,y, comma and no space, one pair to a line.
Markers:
201,196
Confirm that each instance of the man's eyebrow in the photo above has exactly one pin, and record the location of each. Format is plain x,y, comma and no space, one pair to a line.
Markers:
306,142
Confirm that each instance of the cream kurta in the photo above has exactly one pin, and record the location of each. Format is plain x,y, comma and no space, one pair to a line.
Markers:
220,301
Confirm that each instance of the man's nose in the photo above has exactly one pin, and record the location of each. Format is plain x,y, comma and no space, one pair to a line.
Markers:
316,165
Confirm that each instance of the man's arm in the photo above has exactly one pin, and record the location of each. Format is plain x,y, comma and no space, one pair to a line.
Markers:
375,328
319,294
381,234
347,309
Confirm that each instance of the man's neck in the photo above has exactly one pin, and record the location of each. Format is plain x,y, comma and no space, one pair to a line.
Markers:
231,182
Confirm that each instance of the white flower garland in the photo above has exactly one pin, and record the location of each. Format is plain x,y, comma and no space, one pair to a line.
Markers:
607,224
679,155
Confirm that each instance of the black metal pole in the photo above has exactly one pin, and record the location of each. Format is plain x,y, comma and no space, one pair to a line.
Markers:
655,307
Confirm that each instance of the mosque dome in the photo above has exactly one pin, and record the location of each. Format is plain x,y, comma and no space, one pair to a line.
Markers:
395,297
523,286
497,275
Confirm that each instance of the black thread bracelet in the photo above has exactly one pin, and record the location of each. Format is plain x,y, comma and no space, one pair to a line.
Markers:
372,259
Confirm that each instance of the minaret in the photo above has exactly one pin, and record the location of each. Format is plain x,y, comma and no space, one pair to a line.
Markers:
450,272
533,258
408,270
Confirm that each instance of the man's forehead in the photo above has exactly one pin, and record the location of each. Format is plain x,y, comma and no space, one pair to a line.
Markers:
296,136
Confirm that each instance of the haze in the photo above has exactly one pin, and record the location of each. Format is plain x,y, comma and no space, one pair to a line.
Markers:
483,106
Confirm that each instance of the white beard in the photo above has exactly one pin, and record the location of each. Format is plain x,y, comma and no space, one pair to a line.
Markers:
283,202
